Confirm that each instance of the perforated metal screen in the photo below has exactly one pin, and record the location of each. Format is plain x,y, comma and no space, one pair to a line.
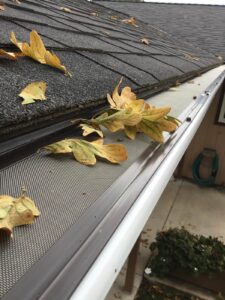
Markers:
63,190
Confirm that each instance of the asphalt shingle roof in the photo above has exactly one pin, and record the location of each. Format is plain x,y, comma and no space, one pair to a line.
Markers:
96,49
200,25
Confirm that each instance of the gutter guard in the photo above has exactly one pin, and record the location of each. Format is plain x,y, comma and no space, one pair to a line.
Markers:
63,267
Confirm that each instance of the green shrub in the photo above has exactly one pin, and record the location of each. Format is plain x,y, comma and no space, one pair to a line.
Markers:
177,249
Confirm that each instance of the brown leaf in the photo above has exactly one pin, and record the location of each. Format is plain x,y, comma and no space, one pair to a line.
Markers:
17,1
131,21
190,57
33,91
37,51
16,211
145,41
114,18
85,152
2,6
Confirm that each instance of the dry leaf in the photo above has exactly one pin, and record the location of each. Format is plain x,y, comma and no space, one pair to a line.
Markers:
95,14
189,56
10,55
134,115
131,21
173,89
16,211
33,91
2,6
65,9
145,41
118,120
85,152
91,128
37,51
114,18
17,1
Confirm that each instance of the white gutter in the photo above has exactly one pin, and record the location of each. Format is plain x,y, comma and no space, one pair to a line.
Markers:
97,282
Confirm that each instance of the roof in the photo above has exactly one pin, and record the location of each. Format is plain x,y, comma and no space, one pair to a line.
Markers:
199,25
97,49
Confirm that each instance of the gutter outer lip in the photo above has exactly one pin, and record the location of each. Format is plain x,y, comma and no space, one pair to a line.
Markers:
68,274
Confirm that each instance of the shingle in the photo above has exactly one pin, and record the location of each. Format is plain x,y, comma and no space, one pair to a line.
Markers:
96,49
200,25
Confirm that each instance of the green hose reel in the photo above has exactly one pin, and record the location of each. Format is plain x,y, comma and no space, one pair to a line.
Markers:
210,181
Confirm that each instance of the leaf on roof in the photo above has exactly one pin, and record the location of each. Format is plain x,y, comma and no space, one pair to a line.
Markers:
145,41
17,1
85,152
16,211
10,55
131,21
91,128
94,13
37,51
190,57
33,91
114,18
2,6
65,9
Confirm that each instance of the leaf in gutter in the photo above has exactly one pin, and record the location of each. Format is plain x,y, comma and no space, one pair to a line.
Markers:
16,211
84,152
65,9
37,51
145,41
118,120
91,128
151,130
131,21
33,91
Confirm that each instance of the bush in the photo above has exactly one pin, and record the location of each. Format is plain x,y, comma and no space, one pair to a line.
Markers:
177,249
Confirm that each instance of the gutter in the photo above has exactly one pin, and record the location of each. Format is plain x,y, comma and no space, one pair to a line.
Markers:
89,255
97,282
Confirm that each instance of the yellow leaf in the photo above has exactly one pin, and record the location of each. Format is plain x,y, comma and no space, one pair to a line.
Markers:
37,51
131,21
154,114
130,132
166,125
151,130
16,212
33,91
116,121
9,55
91,128
65,9
145,41
60,147
85,152
127,99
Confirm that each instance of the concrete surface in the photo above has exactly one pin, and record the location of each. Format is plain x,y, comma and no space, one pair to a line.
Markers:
200,210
